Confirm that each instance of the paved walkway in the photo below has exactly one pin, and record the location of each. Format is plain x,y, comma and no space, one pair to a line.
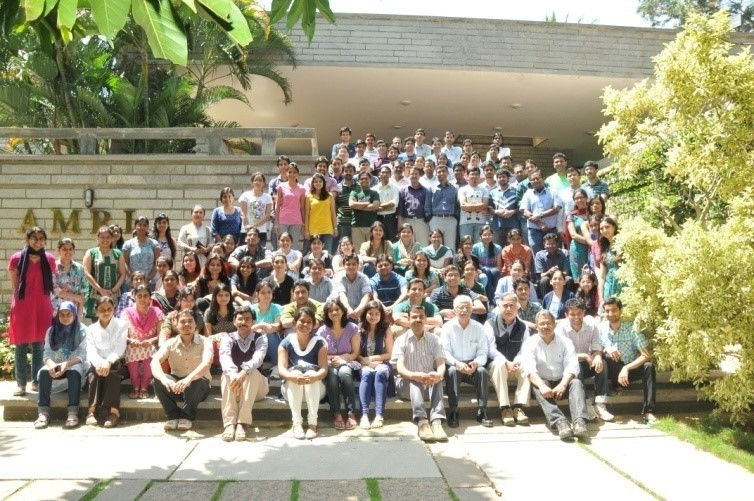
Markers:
628,460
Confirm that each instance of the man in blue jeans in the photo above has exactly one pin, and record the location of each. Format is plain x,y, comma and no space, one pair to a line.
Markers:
540,206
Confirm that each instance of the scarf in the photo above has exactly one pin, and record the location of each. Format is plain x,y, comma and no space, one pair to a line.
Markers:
142,323
64,336
24,268
435,254
403,251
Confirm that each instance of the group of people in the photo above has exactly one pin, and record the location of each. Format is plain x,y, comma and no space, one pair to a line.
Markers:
352,287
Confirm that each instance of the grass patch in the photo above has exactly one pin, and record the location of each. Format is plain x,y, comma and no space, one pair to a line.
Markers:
295,487
94,491
219,490
373,489
453,496
731,444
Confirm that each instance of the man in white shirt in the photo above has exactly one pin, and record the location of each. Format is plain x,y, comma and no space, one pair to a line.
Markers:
506,334
389,194
371,150
550,362
420,148
453,152
584,333
474,200
361,147
429,180
573,176
465,346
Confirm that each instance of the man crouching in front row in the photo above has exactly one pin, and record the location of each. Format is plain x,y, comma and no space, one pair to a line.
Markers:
552,366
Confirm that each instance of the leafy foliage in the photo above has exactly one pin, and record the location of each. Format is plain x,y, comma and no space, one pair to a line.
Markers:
683,149
675,12
7,353
165,23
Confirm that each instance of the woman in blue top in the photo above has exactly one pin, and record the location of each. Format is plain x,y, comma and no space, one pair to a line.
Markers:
140,253
302,363
374,353
490,260
555,300
64,357
268,321
226,219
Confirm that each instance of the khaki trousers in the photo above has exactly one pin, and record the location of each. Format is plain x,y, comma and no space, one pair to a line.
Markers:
237,408
500,378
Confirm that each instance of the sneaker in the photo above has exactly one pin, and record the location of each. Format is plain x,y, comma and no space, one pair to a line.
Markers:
603,413
42,421
520,416
564,430
364,422
311,432
438,432
184,425
507,417
298,431
650,418
171,425
91,420
590,410
579,429
425,432
378,421
275,373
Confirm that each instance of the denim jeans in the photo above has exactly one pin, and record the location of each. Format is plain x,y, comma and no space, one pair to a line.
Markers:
344,230
339,382
45,388
576,402
472,229
273,341
22,363
374,382
536,238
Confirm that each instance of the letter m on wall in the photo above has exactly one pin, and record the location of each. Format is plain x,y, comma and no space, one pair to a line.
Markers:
59,223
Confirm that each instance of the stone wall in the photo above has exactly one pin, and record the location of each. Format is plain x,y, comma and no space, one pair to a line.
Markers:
146,185
485,44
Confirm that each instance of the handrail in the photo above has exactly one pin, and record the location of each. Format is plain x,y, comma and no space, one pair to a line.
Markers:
214,136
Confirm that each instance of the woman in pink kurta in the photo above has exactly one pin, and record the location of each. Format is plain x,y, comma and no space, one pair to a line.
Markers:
31,306
289,207
144,322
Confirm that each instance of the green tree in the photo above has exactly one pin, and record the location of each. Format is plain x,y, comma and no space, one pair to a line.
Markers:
689,283
675,12
163,22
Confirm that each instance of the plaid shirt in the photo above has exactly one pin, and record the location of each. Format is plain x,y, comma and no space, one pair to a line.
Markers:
627,340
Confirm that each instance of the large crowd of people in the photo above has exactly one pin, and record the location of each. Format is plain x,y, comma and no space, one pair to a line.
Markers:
403,269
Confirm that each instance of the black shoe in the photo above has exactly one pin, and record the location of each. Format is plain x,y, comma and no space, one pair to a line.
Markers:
579,429
453,419
564,430
481,417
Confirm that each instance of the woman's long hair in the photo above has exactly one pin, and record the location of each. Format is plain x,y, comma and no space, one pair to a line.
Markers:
214,307
323,193
168,237
604,242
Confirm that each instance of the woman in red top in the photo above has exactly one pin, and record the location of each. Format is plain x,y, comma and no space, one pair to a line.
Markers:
516,251
31,307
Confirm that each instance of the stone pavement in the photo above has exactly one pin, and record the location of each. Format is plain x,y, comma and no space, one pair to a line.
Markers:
626,459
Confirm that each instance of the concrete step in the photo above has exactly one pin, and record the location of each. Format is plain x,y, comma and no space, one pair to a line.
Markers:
671,398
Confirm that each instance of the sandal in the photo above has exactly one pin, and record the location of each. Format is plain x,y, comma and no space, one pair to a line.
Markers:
144,393
112,420
42,421
338,423
134,394
240,432
351,422
229,433
91,419
71,422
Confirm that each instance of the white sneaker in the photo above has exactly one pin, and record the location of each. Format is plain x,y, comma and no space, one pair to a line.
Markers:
184,424
590,410
171,425
603,413
378,421
275,373
298,432
364,423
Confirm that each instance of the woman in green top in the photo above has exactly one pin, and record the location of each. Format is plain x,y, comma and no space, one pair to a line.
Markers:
421,269
405,249
104,269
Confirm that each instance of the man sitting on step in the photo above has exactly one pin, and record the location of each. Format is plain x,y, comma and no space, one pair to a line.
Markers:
241,356
419,359
189,355
506,334
627,356
549,360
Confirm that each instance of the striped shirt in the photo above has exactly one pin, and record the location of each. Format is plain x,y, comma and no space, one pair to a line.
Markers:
419,355
586,340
